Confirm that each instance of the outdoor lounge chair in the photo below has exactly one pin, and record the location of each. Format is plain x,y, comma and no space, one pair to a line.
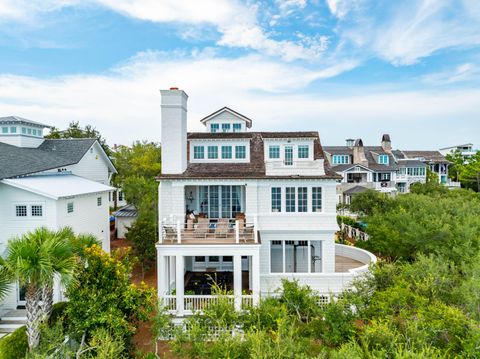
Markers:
221,230
202,227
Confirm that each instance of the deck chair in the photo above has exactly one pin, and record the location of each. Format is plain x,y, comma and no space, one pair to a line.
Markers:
221,230
201,229
170,233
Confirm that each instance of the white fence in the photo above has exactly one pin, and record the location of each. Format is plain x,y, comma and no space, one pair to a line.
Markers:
354,233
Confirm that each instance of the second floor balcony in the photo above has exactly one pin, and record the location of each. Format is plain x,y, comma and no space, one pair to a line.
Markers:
209,231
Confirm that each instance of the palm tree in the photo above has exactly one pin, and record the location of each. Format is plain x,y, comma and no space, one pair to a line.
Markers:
34,260
5,280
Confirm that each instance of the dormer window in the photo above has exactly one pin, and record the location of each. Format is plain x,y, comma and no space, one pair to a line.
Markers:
214,127
303,151
198,152
383,159
340,159
237,127
13,130
225,127
4,129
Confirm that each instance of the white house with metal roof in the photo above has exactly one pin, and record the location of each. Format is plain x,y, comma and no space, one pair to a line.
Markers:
51,183
246,209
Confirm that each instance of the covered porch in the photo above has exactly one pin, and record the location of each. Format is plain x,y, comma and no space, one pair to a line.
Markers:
187,275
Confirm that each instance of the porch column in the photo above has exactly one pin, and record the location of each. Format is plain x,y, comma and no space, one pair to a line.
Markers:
237,281
179,284
256,278
162,275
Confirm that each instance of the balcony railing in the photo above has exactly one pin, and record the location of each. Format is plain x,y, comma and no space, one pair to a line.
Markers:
204,230
197,303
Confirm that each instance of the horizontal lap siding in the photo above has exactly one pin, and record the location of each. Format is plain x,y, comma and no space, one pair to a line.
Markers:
87,217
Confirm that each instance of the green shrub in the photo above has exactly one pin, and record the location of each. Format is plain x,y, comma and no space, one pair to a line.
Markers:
58,312
15,345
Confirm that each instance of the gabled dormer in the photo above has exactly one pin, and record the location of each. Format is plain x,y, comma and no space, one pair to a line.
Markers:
226,120
20,132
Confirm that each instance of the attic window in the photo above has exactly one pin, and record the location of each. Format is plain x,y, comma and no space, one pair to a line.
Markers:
383,159
237,127
214,127
225,127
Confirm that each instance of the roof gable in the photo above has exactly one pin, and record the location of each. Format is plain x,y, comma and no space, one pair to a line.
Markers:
228,110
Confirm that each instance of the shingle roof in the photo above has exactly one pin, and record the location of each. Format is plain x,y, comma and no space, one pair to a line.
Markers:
369,155
256,167
21,161
128,211
355,190
243,117
20,120
429,156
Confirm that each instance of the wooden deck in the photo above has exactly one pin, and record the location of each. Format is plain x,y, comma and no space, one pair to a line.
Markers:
344,264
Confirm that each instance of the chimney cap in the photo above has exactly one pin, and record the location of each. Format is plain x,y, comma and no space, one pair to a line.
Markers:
386,138
173,88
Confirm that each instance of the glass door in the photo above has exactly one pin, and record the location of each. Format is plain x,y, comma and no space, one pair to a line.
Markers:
288,156
21,293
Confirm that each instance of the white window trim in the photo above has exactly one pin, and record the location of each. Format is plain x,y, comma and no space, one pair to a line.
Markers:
309,267
284,199
29,210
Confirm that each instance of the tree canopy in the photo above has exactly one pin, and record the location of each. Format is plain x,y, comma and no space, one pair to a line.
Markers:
75,130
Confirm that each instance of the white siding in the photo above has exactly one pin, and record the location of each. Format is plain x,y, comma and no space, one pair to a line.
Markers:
92,166
121,223
22,140
87,217
226,117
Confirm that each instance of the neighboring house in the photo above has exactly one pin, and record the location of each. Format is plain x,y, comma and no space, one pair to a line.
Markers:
247,209
435,162
51,183
372,167
466,150
124,218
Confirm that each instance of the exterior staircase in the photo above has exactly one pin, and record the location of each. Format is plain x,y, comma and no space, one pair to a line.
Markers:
12,320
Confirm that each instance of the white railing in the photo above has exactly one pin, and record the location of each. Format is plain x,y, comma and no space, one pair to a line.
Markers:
221,230
197,303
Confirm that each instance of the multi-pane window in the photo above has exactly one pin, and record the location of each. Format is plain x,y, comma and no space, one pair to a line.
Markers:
212,152
226,201
383,159
303,151
24,130
240,152
302,199
296,256
37,210
21,210
4,129
70,207
340,159
226,152
290,199
274,152
316,199
13,130
29,131
214,127
223,201
384,176
276,256
276,199
198,152
199,259
99,201
225,127
120,196
416,171
288,161
237,127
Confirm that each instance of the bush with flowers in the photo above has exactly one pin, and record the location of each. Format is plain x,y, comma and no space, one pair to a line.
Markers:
102,296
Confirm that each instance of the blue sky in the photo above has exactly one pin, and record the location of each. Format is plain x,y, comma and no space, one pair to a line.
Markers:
347,68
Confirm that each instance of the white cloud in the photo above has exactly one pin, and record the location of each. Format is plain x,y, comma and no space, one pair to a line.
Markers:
125,103
421,28
236,21
461,73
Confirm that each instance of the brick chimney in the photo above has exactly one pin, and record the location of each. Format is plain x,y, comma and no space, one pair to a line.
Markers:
359,153
386,143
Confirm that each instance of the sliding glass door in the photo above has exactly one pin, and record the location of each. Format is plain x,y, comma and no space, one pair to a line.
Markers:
220,201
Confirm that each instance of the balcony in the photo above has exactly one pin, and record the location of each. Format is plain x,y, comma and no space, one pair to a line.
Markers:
301,168
209,231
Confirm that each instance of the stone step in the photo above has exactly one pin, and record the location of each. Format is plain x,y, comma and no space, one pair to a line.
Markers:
9,327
